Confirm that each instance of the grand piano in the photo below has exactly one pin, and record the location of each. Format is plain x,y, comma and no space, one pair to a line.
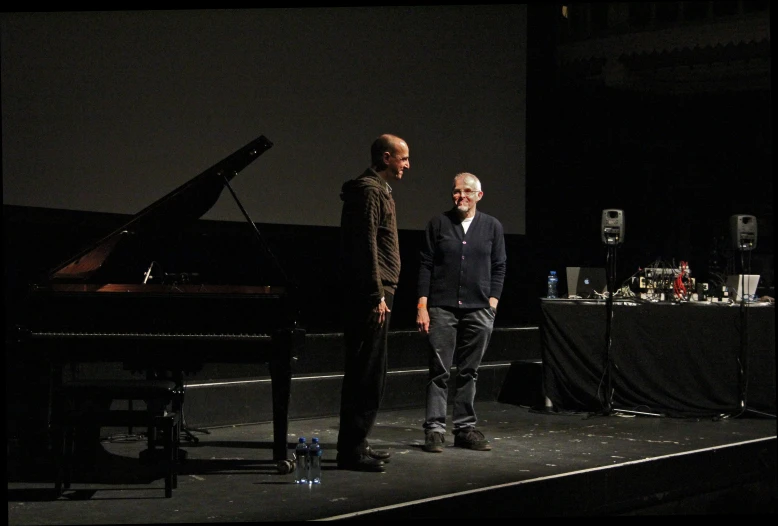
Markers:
113,300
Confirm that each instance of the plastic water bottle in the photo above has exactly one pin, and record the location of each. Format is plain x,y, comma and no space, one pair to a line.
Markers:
552,285
314,462
301,462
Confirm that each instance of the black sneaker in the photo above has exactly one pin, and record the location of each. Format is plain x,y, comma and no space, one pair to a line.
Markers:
433,442
471,438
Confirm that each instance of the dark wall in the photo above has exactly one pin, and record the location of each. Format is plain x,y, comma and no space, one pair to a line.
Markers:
183,88
679,166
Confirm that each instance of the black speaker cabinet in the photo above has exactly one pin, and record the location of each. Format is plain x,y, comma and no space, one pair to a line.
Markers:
612,230
743,232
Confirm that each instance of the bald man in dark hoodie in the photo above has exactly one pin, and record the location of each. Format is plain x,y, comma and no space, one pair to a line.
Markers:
370,271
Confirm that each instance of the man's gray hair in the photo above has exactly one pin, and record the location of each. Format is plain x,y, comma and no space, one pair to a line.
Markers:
468,175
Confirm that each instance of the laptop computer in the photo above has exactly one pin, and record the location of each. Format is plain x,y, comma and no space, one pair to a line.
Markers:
583,282
736,285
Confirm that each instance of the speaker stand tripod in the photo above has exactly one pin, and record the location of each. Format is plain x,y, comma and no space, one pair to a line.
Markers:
743,359
608,408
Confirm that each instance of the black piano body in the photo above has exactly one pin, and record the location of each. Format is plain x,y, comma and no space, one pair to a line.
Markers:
79,313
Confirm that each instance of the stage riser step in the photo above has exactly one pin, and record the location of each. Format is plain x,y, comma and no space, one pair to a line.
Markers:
323,353
250,401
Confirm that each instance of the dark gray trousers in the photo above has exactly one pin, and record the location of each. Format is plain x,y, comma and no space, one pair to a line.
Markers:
457,337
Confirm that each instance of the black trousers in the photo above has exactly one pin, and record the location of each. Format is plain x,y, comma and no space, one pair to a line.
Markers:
364,377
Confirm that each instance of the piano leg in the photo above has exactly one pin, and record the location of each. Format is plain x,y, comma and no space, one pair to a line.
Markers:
285,344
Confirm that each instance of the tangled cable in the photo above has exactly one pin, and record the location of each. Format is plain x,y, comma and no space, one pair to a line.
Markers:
678,284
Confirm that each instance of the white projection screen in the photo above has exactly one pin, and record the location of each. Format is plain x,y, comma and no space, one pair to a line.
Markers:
109,111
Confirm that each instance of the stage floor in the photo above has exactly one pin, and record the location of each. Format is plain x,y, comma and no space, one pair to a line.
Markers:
541,464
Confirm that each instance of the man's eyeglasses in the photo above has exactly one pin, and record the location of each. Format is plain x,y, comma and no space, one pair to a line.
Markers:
464,193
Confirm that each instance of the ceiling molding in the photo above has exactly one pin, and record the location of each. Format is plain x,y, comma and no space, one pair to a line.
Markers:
683,37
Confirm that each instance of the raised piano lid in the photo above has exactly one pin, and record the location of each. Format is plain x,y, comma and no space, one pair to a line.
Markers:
183,205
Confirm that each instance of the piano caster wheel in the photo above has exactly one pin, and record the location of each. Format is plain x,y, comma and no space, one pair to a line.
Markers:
285,466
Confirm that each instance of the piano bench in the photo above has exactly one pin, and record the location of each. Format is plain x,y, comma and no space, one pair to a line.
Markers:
86,405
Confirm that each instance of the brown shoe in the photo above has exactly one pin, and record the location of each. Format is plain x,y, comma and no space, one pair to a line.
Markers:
433,442
471,438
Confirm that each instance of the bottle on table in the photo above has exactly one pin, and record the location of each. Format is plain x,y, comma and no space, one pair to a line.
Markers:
552,285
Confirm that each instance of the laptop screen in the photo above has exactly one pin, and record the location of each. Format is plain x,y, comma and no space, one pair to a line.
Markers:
583,282
742,284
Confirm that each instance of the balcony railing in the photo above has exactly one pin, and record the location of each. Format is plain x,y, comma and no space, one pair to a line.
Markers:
586,20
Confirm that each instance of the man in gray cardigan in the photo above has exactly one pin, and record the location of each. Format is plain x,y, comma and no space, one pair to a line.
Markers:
461,277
